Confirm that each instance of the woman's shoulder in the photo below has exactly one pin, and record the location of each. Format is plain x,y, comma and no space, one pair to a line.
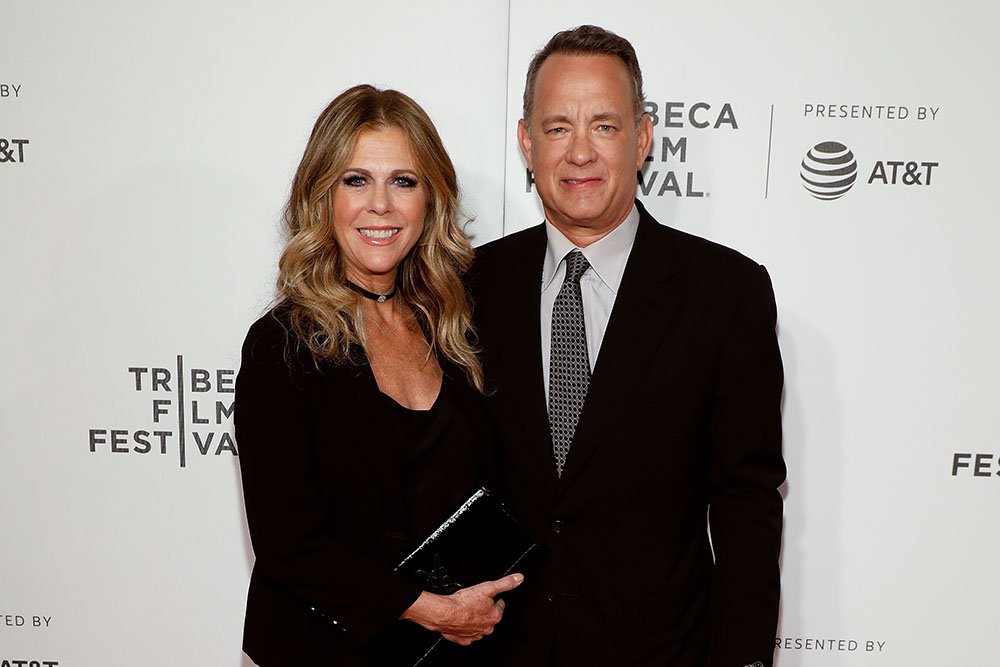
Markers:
273,342
269,338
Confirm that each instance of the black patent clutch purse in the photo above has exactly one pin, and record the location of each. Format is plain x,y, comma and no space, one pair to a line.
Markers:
480,542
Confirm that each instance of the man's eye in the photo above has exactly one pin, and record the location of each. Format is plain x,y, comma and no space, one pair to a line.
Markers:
406,182
556,130
605,128
354,180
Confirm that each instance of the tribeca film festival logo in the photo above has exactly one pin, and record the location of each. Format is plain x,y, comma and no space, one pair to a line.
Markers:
184,407
967,464
671,176
829,170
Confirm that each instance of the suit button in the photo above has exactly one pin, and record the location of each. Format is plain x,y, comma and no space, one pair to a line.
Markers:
557,526
549,597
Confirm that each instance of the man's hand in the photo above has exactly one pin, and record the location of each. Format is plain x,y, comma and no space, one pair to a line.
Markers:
466,615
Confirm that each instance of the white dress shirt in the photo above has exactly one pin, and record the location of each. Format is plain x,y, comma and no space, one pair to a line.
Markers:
598,285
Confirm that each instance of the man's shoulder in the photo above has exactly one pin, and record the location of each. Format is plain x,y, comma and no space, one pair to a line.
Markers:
512,243
520,251
695,251
707,250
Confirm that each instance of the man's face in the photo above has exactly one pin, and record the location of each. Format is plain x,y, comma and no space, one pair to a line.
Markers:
583,143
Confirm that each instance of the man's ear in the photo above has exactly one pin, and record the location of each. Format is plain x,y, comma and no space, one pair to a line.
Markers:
644,140
524,141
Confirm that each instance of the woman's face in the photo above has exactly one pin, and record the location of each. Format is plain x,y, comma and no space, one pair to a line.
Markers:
378,208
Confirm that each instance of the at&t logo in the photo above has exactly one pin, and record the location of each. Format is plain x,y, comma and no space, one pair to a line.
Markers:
829,170
888,172
12,150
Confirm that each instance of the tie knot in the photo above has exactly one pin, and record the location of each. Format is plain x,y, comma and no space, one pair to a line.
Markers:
576,266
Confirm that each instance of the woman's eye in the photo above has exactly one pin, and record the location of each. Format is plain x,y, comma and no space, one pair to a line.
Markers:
406,181
354,180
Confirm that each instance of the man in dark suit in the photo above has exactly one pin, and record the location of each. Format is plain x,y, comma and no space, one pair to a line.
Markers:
637,396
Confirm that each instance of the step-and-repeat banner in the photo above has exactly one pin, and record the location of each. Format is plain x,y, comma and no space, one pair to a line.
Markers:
146,153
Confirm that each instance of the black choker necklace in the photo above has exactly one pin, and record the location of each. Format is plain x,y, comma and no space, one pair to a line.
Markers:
374,296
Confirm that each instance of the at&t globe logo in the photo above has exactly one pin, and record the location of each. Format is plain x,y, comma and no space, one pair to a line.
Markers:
829,170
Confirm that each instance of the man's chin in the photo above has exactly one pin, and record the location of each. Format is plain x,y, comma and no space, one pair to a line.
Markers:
583,231
588,216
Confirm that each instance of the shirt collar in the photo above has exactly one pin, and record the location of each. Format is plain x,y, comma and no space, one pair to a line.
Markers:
607,256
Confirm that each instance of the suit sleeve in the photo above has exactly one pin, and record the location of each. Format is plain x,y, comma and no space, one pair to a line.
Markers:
745,506
295,545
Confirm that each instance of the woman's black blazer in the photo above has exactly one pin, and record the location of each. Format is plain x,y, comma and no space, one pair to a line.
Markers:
319,459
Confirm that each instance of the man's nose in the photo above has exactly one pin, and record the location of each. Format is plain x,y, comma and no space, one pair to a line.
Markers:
580,151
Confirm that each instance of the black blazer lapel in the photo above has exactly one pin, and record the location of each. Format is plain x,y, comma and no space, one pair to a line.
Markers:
648,298
520,344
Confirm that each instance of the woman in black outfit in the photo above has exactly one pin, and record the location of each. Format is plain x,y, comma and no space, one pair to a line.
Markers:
357,401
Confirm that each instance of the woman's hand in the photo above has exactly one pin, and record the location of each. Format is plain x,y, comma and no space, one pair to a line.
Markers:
466,615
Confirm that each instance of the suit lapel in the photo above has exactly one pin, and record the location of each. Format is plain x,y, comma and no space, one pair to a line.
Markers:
647,300
521,345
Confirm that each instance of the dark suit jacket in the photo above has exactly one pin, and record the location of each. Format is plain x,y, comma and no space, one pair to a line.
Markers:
681,430
321,483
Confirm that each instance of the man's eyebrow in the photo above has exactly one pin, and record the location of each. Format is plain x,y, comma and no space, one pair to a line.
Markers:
606,116
555,118
597,118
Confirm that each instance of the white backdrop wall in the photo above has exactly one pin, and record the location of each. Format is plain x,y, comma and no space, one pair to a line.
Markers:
146,155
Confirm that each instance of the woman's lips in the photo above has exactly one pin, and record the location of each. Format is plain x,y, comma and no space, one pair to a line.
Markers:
379,235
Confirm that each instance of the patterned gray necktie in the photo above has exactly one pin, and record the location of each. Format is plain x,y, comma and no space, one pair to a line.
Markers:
569,363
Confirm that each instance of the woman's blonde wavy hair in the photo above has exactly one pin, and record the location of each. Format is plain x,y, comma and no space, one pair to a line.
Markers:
323,313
